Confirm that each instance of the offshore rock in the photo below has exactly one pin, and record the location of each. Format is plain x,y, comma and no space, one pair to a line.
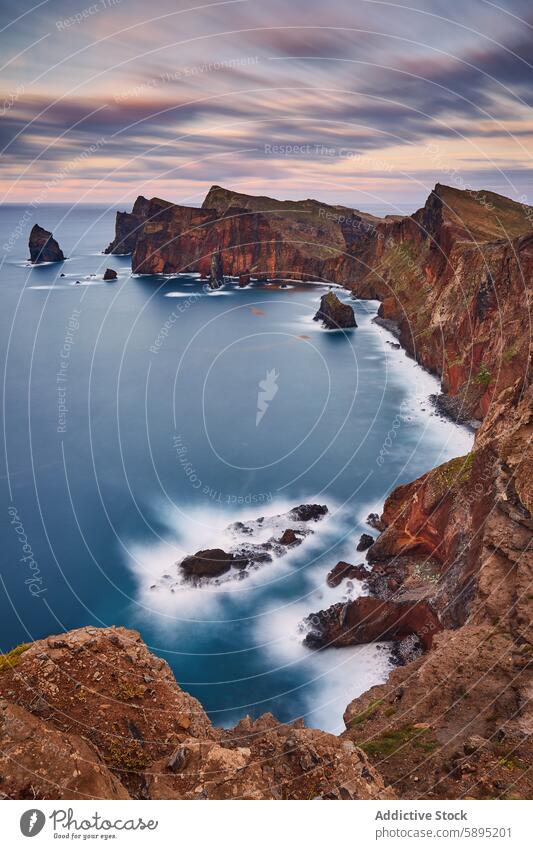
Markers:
216,279
43,246
333,314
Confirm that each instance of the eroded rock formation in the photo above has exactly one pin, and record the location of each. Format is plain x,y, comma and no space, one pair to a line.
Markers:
333,314
43,247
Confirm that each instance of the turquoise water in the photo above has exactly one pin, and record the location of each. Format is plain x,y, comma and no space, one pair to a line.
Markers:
131,439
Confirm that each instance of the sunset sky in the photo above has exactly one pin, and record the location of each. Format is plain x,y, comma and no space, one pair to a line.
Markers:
362,102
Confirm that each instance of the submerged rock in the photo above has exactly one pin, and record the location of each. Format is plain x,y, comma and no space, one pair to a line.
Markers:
334,314
43,247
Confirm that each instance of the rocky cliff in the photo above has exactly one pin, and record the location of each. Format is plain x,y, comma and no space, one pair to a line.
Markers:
93,714
450,571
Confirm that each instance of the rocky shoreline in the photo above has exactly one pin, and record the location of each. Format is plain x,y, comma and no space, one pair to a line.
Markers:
450,571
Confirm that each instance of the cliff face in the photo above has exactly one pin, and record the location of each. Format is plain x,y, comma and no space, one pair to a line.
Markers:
261,236
93,714
452,566
454,277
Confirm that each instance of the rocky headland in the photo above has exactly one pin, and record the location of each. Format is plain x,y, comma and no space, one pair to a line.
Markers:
452,561
448,576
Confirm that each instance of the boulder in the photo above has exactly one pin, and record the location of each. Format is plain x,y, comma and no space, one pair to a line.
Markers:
374,520
43,246
210,563
267,760
110,274
343,571
289,537
365,542
308,512
334,314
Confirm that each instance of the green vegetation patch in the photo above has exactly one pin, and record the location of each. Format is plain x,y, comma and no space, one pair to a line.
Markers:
9,660
455,472
387,744
483,377
367,713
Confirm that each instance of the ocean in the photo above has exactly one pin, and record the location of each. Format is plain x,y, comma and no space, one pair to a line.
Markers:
143,416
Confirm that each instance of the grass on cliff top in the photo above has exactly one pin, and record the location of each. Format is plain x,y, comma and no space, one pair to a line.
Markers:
486,215
367,713
388,743
455,472
11,658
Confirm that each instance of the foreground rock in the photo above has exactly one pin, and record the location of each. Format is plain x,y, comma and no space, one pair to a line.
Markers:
39,762
104,685
43,246
334,314
267,760
93,714
110,274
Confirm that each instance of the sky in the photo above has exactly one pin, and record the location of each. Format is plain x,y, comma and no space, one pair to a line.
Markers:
359,102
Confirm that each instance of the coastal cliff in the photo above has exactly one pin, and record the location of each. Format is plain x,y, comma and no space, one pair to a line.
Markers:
92,713
449,572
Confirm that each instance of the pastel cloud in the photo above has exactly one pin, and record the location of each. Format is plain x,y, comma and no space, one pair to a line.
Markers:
174,99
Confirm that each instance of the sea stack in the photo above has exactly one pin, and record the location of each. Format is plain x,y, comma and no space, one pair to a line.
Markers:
216,279
43,246
334,314
110,274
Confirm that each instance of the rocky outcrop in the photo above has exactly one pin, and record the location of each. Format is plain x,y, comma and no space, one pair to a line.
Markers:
43,246
110,274
345,571
365,542
216,279
258,237
210,563
267,760
369,619
92,714
333,314
104,685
